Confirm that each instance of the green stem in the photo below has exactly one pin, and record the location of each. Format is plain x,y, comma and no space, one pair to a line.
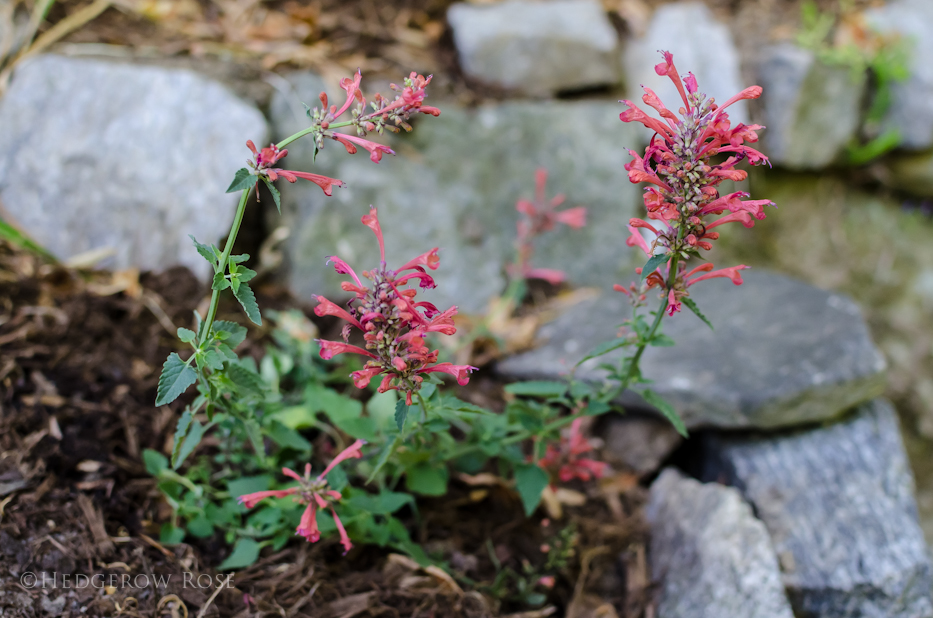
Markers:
222,264
288,140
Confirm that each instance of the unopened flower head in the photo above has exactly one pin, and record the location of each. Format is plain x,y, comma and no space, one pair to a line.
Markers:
538,217
315,493
678,166
393,324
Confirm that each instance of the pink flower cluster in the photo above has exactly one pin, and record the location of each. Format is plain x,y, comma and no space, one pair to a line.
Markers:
678,165
393,324
541,216
566,459
314,493
383,115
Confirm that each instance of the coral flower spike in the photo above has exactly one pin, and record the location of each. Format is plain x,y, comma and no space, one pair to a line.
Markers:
682,175
392,324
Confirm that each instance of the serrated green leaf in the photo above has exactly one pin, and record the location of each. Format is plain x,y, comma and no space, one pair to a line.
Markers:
192,440
242,180
186,335
537,388
214,360
176,377
155,461
246,381
220,281
246,297
652,264
243,273
231,333
337,478
255,436
383,458
275,194
604,348
595,408
692,306
245,553
666,409
401,413
662,341
201,527
530,481
427,479
181,430
238,259
205,250
384,503
287,437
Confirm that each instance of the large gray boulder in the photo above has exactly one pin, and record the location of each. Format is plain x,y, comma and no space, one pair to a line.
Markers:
710,556
536,47
910,113
839,505
783,353
453,185
811,110
700,44
97,154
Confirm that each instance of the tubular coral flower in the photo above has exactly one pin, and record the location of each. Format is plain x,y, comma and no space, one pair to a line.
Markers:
678,163
375,150
263,161
393,326
314,493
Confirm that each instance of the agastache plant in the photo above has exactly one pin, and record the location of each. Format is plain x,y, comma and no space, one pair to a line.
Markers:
393,324
681,197
214,365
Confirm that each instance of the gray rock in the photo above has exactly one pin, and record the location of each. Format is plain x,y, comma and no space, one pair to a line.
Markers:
711,556
910,112
700,45
638,442
453,185
783,353
537,47
99,154
811,110
838,502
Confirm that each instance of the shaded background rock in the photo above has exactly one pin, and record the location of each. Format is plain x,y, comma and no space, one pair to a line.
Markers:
700,44
783,353
638,442
453,185
97,154
811,110
536,47
910,112
710,555
839,505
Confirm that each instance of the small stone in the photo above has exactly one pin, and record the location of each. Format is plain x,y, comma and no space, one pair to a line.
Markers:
710,555
783,353
641,443
701,45
97,154
453,185
840,501
811,110
536,47
910,112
